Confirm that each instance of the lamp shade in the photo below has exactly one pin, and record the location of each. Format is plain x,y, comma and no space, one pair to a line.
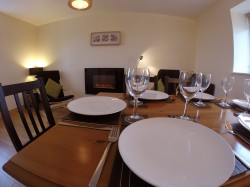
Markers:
34,71
80,4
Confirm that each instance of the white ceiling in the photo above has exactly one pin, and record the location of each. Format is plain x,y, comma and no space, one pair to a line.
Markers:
39,12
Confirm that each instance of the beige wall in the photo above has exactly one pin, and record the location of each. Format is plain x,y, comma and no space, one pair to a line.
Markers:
205,44
164,41
18,41
214,46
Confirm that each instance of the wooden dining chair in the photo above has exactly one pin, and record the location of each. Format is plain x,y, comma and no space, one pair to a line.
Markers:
29,108
210,90
170,80
171,85
153,81
54,89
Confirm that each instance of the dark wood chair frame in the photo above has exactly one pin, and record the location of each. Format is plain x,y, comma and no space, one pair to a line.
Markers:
170,80
55,76
31,104
175,82
154,80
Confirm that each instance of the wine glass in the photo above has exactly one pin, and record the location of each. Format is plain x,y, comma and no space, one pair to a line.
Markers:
136,80
246,84
132,102
227,85
206,80
190,84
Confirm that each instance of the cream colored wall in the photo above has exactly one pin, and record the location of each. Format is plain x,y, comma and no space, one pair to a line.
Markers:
18,41
214,46
164,41
18,47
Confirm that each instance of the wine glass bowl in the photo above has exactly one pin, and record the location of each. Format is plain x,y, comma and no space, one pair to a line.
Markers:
136,80
206,80
190,84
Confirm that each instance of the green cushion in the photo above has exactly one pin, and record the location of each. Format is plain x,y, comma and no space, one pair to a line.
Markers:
53,88
161,86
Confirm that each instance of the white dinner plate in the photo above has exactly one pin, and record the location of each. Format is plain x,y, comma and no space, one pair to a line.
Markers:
96,105
244,120
240,103
204,96
154,95
173,152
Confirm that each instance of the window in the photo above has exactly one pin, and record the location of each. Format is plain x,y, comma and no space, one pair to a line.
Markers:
241,37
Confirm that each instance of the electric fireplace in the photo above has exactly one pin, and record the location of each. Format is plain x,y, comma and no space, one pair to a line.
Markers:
104,80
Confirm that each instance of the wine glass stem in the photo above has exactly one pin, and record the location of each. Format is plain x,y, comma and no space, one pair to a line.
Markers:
200,101
135,106
185,108
248,103
225,98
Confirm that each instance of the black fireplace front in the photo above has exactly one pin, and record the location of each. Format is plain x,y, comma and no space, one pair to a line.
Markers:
104,80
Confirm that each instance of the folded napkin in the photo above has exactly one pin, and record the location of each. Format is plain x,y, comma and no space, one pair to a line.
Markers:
130,98
244,119
111,119
145,101
168,100
242,131
215,101
192,102
238,107
225,107
198,106
239,167
125,123
122,176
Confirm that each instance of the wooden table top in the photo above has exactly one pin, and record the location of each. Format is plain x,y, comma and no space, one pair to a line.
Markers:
68,156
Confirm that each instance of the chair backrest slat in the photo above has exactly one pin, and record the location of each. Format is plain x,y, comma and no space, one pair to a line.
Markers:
30,114
36,108
22,116
28,108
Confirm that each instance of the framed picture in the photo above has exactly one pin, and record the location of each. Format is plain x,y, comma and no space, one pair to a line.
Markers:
106,38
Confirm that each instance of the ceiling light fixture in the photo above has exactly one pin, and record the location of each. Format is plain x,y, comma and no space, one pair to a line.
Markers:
80,4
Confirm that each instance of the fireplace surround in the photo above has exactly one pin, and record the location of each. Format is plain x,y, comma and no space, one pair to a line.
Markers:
104,80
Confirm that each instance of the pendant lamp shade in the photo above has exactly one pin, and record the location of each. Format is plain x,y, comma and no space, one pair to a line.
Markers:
80,4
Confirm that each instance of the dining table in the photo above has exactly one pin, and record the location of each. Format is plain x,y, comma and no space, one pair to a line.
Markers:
68,156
